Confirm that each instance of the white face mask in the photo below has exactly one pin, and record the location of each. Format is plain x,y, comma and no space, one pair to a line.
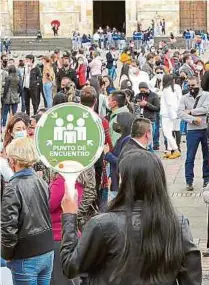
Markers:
20,134
159,76
80,61
199,67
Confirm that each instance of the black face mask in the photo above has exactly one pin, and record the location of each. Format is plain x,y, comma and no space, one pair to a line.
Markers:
65,64
144,94
116,128
158,62
194,91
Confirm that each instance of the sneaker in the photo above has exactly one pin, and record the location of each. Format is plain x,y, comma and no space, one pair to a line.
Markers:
166,155
190,187
205,184
156,148
175,155
206,253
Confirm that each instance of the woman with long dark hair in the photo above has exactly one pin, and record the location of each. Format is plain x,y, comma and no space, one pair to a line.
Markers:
141,240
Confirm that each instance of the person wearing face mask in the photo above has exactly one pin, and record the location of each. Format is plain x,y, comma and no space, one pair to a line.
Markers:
4,61
32,84
16,128
121,126
81,72
148,67
200,69
137,76
205,79
66,71
149,105
141,135
193,109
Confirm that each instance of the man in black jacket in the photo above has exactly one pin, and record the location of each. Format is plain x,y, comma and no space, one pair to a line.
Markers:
141,135
31,83
66,71
110,62
205,81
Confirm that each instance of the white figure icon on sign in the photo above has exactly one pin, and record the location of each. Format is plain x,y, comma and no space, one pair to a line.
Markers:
81,130
59,129
70,135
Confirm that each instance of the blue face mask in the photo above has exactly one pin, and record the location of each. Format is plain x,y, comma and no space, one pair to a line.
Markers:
20,134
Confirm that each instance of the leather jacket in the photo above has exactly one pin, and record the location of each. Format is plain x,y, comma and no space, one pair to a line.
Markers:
98,251
26,224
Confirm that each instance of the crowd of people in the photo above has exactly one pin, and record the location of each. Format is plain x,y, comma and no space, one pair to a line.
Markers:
122,229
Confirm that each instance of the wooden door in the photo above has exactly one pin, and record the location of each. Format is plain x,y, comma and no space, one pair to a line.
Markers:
26,21
193,14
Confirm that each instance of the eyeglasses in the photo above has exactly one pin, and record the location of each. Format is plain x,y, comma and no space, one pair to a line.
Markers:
161,72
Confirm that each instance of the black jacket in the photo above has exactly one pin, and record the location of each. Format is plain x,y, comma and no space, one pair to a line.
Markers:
131,145
98,251
205,81
70,73
35,77
110,60
153,105
26,224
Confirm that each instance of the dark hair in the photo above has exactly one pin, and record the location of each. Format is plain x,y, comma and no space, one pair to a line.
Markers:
21,63
158,254
124,70
193,51
139,127
111,85
16,118
186,57
36,117
119,97
31,57
94,82
126,84
12,69
125,120
88,96
59,98
150,56
168,81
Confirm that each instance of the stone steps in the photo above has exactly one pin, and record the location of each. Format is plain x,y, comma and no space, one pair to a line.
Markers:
49,44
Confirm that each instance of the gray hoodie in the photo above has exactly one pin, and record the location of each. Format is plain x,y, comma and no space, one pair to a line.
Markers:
202,109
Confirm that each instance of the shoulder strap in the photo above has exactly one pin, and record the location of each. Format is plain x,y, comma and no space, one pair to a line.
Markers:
196,102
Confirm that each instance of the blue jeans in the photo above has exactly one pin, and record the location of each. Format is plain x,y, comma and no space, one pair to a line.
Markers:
156,134
194,138
47,87
183,127
6,110
150,145
36,270
111,72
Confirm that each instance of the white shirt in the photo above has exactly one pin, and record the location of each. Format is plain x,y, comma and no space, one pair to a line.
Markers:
26,82
140,144
136,79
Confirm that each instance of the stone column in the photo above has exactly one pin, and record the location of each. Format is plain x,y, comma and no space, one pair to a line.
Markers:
131,17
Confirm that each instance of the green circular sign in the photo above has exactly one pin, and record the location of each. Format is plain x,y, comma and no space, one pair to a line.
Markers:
69,138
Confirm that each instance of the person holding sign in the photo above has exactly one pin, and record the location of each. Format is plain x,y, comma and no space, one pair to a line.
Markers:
112,250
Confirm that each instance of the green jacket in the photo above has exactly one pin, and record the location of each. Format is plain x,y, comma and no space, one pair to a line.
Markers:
115,136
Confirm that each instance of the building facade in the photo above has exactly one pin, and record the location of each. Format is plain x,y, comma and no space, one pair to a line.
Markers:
22,18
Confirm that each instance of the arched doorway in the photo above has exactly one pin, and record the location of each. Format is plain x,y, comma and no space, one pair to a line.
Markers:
26,18
109,13
193,14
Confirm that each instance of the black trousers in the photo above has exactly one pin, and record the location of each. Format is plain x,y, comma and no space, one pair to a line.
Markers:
57,276
34,95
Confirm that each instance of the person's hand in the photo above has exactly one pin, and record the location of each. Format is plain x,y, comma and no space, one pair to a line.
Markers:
106,149
143,103
197,121
69,204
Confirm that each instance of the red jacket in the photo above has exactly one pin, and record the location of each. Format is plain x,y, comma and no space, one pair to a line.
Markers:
81,72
